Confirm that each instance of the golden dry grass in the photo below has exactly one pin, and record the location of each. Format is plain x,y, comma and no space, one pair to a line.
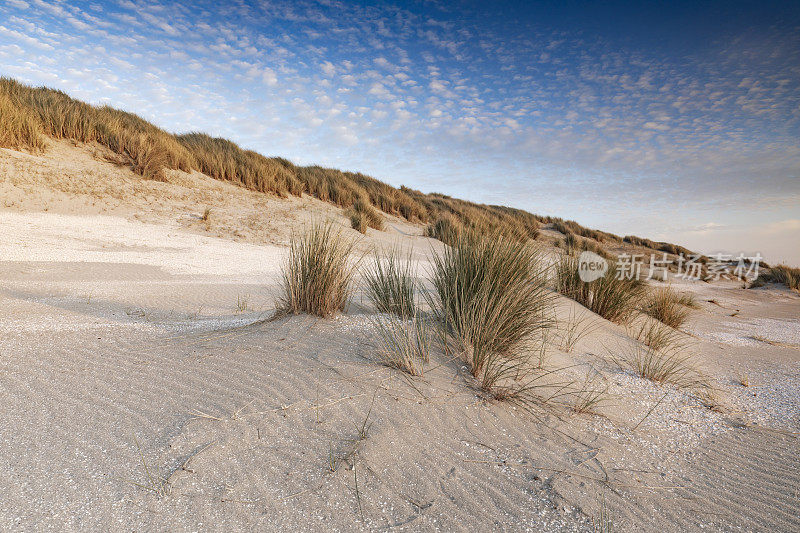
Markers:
224,160
666,306
362,216
29,115
17,129
784,274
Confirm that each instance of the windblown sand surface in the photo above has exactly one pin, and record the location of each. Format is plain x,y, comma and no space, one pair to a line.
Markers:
134,348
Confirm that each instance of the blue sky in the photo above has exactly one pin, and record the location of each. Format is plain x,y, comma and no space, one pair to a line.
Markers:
665,120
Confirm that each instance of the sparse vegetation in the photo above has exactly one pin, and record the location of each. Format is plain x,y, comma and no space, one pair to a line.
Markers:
743,380
152,482
403,343
688,300
490,297
576,327
784,274
670,363
590,396
612,298
656,335
390,283
317,276
242,303
604,523
666,306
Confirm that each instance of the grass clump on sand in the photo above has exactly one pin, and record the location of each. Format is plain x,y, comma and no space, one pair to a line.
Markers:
660,354
358,221
317,276
610,297
666,306
403,343
390,283
656,335
490,296
590,396
688,300
575,328
669,364
362,216
784,274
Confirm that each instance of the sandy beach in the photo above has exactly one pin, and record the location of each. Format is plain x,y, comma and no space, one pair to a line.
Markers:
144,386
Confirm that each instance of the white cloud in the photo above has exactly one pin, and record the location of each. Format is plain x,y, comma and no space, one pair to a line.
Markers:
268,76
327,68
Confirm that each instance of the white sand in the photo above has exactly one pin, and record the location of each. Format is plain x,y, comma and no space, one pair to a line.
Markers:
122,322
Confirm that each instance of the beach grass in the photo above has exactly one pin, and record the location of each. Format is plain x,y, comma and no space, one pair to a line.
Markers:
317,277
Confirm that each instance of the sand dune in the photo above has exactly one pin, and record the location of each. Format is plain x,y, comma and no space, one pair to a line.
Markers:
142,388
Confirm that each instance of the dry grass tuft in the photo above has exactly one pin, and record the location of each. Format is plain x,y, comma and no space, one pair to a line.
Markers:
589,396
784,274
669,363
612,298
656,335
446,229
403,343
390,283
152,482
317,276
576,327
358,221
362,216
374,218
490,297
666,306
688,300
743,380
242,303
18,130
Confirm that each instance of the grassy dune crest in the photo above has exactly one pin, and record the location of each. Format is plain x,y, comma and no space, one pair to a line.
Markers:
28,115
